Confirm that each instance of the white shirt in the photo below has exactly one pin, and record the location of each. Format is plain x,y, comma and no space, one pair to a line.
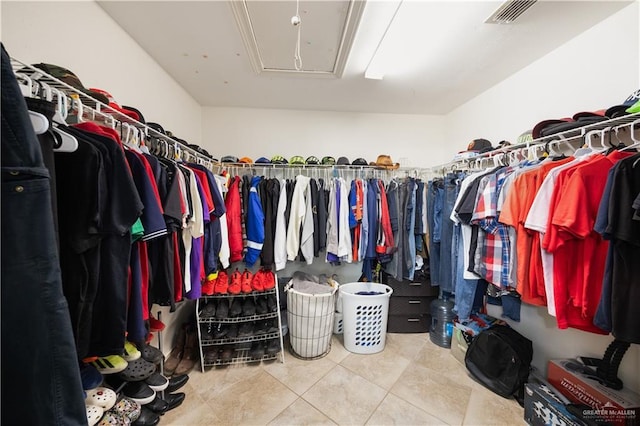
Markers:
332,221
298,211
344,233
306,239
194,229
280,240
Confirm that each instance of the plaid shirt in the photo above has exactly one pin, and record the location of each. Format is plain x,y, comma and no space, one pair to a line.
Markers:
493,241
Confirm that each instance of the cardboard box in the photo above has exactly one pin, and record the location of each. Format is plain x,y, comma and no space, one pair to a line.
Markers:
580,384
543,408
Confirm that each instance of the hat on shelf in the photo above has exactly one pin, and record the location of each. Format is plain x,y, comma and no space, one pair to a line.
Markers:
583,120
479,145
525,137
69,78
328,161
157,127
137,111
589,114
279,159
623,109
538,128
360,162
385,162
312,160
245,160
263,160
114,105
229,159
634,108
343,161
296,159
504,144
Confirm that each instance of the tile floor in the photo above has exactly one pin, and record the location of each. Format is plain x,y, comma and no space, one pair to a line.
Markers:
411,382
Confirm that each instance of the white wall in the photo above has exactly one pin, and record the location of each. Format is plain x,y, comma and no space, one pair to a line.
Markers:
80,36
595,70
412,140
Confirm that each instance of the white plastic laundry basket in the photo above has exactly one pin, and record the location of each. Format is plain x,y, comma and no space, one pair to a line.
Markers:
337,322
365,316
310,318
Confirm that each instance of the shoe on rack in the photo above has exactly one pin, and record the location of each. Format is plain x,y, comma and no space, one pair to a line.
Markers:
269,279
248,307
177,382
236,307
130,352
272,303
272,325
209,284
191,353
90,376
208,310
151,354
174,400
236,282
110,364
176,353
137,370
222,283
233,331
140,392
246,329
206,332
158,405
273,346
227,353
128,409
261,305
222,310
257,350
102,397
219,330
210,355
257,283
147,418
155,324
94,414
157,382
245,282
261,327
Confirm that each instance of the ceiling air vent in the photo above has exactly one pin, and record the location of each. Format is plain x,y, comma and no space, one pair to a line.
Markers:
509,11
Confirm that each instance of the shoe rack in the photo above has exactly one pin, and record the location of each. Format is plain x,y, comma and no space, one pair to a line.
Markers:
241,348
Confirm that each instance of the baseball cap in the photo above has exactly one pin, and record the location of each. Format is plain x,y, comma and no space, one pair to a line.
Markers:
479,145
229,159
263,160
114,105
279,159
525,137
157,127
360,162
343,161
312,160
296,159
68,77
245,160
137,111
537,129
329,161
622,109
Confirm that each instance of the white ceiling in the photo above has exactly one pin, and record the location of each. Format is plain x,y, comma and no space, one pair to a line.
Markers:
450,57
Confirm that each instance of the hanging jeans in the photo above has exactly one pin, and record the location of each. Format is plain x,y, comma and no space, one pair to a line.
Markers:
435,197
447,269
40,374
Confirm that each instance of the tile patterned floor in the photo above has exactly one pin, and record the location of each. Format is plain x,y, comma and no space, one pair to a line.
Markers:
411,382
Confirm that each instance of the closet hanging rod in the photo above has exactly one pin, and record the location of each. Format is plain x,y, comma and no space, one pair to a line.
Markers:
100,108
566,136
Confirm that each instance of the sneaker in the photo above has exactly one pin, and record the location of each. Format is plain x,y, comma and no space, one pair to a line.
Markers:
140,392
246,329
261,327
257,281
236,307
272,325
90,376
130,352
222,283
273,346
206,332
272,303
222,310
261,305
257,350
236,280
269,279
157,382
233,331
209,284
248,307
220,330
245,282
208,310
110,364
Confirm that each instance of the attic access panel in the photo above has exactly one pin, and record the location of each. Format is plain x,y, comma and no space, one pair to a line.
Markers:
327,32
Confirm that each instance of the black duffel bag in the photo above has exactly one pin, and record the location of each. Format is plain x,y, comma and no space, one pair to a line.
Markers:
500,358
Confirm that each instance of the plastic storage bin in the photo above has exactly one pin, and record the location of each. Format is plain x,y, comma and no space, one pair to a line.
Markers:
365,316
310,321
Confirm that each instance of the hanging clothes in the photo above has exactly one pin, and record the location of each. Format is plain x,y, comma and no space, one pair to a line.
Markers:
255,224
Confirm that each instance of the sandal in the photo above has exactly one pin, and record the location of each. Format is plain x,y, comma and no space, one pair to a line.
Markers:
151,354
101,397
157,382
94,414
137,370
114,419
